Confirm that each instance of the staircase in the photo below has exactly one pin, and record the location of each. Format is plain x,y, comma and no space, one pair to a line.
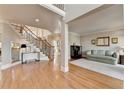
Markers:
42,45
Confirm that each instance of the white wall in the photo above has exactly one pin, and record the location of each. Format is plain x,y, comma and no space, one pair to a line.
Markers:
0,31
86,40
0,37
8,36
73,38
0,47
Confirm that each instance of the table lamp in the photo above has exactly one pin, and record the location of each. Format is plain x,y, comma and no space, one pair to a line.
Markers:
23,46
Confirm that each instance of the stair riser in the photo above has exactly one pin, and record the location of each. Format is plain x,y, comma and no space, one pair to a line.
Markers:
32,40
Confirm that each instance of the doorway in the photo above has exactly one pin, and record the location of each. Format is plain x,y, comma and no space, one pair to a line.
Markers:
15,52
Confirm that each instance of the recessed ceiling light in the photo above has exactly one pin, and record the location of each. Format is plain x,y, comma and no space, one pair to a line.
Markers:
37,20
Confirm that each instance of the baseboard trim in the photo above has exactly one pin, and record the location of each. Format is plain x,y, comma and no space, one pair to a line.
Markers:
3,67
64,69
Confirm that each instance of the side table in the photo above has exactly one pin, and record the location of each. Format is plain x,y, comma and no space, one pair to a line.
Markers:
122,59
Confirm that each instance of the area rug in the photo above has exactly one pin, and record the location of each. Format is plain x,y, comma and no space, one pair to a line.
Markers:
116,71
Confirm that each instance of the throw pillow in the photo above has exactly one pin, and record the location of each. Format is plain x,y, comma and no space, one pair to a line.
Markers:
114,55
109,53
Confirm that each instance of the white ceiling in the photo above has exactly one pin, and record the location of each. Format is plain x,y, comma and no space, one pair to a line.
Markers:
75,10
87,22
26,14
103,18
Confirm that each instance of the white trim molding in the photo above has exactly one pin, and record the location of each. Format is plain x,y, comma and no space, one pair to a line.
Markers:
3,67
104,30
64,69
54,9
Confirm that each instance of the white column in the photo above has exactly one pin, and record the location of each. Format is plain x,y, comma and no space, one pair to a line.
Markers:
6,45
64,47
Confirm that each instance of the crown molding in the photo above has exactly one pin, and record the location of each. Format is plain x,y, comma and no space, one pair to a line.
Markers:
9,65
104,30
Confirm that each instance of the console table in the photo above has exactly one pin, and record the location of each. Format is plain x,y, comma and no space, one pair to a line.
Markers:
122,59
30,54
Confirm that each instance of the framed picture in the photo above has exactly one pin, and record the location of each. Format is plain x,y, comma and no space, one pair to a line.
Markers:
114,40
93,41
103,41
15,45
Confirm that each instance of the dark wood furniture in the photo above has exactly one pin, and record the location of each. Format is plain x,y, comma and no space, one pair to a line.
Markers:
122,59
76,51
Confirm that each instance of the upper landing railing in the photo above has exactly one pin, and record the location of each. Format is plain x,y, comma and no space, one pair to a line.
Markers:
60,6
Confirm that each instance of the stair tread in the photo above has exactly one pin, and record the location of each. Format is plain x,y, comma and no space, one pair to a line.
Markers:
31,39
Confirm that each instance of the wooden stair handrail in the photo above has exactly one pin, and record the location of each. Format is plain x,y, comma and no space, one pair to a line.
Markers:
48,43
28,31
32,33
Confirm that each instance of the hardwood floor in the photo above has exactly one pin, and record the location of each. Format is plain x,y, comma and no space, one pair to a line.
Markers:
46,75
